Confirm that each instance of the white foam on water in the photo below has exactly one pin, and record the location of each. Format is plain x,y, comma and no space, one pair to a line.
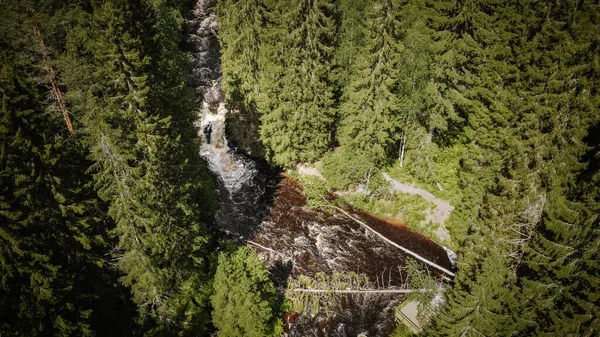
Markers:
234,171
452,256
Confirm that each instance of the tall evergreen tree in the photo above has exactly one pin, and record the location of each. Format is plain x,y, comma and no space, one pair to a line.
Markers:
53,233
56,278
159,194
525,210
350,39
296,91
244,297
559,262
499,192
426,116
369,116
37,234
241,29
470,36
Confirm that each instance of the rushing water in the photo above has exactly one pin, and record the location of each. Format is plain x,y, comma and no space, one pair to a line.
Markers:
244,189
268,210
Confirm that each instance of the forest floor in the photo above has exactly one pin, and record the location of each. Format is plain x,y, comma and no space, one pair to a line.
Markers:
435,215
309,171
438,215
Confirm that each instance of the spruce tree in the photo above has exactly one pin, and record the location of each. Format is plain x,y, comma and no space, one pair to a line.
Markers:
468,37
53,233
56,276
241,29
145,160
296,91
244,296
521,240
350,39
37,235
426,115
500,195
559,265
369,116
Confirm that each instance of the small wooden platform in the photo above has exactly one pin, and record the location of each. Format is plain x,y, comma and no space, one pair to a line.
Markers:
407,314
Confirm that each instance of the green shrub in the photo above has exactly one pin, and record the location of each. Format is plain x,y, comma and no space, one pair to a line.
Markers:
402,331
343,169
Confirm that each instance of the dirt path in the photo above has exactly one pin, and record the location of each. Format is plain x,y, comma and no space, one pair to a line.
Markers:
309,171
438,215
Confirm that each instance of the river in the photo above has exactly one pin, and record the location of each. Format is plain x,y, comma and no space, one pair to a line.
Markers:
263,208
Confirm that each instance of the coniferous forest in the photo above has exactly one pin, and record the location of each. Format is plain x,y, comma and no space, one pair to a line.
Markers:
107,209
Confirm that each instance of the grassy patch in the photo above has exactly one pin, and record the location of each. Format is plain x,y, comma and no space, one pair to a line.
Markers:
408,208
377,199
446,164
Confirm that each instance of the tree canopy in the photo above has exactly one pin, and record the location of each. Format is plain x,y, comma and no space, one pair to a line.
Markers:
106,207
244,296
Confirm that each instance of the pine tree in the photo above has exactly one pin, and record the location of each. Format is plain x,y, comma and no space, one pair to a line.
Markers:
55,276
145,160
244,296
241,29
296,92
369,116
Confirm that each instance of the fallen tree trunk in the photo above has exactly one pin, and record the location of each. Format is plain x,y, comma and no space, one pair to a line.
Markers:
362,291
269,249
416,256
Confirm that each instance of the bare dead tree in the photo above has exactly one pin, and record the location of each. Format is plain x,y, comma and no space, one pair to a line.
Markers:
56,93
